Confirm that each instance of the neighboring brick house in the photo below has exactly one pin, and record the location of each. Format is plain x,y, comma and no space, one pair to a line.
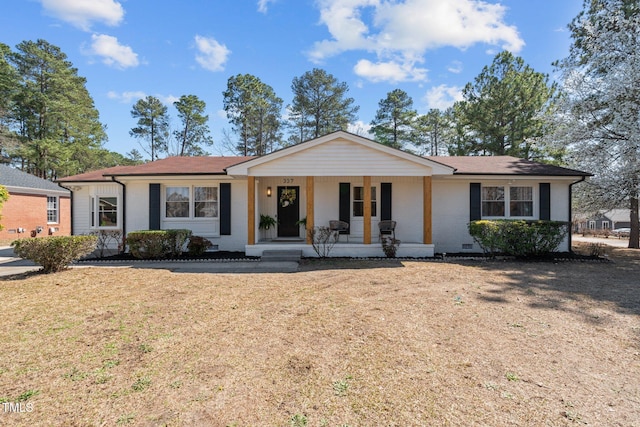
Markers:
36,207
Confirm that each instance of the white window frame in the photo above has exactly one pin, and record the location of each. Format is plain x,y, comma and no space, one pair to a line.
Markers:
606,225
374,202
507,202
55,209
95,211
191,215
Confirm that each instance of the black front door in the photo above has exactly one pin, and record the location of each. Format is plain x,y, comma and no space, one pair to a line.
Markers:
288,211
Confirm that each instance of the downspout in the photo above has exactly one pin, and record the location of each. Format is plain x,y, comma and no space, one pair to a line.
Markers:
571,209
124,209
70,203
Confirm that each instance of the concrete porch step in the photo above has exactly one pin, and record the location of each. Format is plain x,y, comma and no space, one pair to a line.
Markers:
281,255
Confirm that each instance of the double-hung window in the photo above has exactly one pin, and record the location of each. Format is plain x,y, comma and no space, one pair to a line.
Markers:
191,202
52,210
510,202
358,202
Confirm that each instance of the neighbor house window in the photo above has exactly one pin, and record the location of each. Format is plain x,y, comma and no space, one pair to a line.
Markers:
52,210
516,202
191,202
107,211
592,225
605,225
177,202
358,201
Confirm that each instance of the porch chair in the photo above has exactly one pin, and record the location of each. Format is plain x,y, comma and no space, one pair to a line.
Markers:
387,227
338,226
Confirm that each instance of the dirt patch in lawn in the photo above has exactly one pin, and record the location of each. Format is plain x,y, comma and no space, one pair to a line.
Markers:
358,343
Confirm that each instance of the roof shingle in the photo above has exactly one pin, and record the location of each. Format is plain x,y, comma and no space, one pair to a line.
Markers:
502,165
11,177
168,166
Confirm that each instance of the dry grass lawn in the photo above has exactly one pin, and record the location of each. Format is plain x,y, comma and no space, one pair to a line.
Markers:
385,343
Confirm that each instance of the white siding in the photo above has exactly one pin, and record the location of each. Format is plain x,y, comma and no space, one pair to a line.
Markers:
451,209
340,158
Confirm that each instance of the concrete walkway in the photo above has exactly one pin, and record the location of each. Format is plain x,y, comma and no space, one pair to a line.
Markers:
11,265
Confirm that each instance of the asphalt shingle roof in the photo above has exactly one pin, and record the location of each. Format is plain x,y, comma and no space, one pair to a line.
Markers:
503,165
11,177
168,166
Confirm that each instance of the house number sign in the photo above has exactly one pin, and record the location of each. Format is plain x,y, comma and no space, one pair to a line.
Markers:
288,180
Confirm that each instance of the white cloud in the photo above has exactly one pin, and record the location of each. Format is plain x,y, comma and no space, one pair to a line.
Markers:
455,67
126,97
263,5
389,71
443,96
81,13
112,52
213,55
360,128
131,97
409,28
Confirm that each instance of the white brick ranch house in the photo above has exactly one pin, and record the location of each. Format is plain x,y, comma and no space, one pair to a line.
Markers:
339,176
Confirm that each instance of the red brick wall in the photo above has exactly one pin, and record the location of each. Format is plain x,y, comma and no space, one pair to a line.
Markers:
30,211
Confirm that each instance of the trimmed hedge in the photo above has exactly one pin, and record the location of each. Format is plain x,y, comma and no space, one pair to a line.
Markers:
54,253
518,237
148,244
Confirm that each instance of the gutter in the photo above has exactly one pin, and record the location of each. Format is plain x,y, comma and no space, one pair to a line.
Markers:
124,208
584,177
71,205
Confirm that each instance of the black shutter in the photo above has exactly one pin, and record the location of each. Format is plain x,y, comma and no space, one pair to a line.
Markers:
345,204
385,201
154,206
475,201
545,201
225,209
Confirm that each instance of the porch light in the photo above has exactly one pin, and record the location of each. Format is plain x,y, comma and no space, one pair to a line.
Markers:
268,191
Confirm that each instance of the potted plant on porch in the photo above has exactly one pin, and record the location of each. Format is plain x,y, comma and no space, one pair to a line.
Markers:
267,223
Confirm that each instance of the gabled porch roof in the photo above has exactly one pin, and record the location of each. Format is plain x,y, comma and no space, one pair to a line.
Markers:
340,153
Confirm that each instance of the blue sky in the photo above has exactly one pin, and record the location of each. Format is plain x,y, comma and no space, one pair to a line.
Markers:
127,49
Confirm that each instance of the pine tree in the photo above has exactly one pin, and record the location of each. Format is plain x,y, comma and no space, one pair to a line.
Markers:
194,131
153,125
393,123
254,110
503,110
319,106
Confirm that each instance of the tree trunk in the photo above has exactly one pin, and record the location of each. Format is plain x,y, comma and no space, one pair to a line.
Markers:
634,235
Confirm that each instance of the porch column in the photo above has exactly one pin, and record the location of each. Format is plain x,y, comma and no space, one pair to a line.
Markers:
426,211
251,211
310,203
367,210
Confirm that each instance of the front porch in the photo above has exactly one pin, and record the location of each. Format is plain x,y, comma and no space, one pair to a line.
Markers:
343,249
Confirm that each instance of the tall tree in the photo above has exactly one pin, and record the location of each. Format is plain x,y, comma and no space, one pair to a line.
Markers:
194,130
52,112
433,131
9,85
393,123
254,110
601,103
319,106
153,125
502,112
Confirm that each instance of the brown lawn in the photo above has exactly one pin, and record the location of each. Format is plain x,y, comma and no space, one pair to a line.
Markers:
384,343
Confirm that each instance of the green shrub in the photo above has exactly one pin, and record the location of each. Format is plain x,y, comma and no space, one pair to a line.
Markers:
198,245
518,237
54,253
147,244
